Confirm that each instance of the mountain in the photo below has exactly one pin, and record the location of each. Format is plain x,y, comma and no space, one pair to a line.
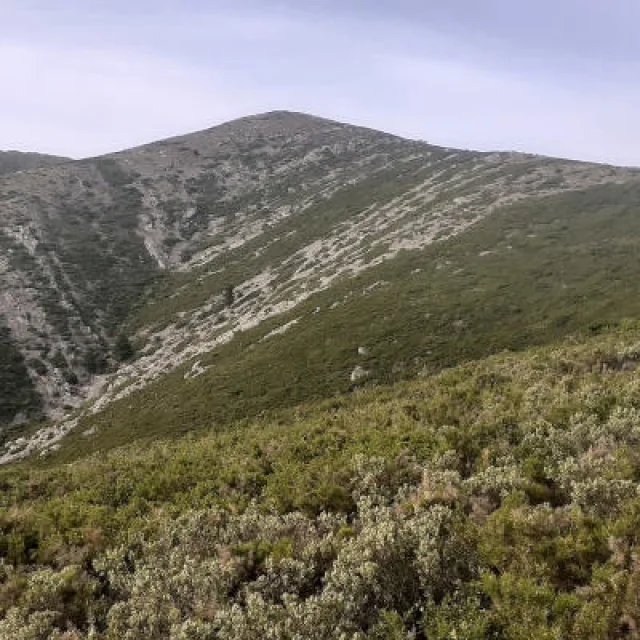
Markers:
290,378
283,258
11,161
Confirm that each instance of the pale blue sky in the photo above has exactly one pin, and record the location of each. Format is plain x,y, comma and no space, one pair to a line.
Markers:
560,77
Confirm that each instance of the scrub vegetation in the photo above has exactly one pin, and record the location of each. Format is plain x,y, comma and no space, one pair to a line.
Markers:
497,499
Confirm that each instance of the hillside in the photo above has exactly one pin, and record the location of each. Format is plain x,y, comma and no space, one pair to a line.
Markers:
85,240
11,161
157,290
497,499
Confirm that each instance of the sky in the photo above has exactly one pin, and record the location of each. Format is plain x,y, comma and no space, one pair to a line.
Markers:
557,77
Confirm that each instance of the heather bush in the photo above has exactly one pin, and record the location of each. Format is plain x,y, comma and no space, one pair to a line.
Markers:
499,499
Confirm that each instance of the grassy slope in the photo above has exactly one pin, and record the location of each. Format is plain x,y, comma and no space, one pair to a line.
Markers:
553,267
519,472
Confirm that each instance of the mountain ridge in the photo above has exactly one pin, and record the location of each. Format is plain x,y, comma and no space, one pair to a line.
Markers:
12,161
309,117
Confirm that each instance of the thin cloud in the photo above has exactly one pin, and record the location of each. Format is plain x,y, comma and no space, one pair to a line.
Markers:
93,77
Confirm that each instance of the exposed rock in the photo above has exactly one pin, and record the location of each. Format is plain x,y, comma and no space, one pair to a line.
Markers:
359,373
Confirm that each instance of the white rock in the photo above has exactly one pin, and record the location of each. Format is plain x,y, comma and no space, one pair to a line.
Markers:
358,373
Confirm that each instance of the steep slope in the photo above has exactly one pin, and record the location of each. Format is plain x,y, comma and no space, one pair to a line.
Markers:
194,246
11,161
526,275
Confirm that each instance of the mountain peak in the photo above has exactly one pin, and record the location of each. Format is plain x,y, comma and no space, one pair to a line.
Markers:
278,124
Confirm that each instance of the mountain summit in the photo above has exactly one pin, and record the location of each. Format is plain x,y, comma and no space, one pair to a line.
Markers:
336,255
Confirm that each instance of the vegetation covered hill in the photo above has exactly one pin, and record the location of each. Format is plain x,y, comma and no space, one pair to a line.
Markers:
312,381
497,499
83,241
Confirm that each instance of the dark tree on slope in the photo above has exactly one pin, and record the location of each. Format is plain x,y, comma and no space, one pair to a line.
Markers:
123,348
95,361
229,295
17,391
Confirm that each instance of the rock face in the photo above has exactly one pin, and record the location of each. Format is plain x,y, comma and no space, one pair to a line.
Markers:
277,206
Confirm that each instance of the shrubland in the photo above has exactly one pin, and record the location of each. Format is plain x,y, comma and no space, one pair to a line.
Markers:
496,499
